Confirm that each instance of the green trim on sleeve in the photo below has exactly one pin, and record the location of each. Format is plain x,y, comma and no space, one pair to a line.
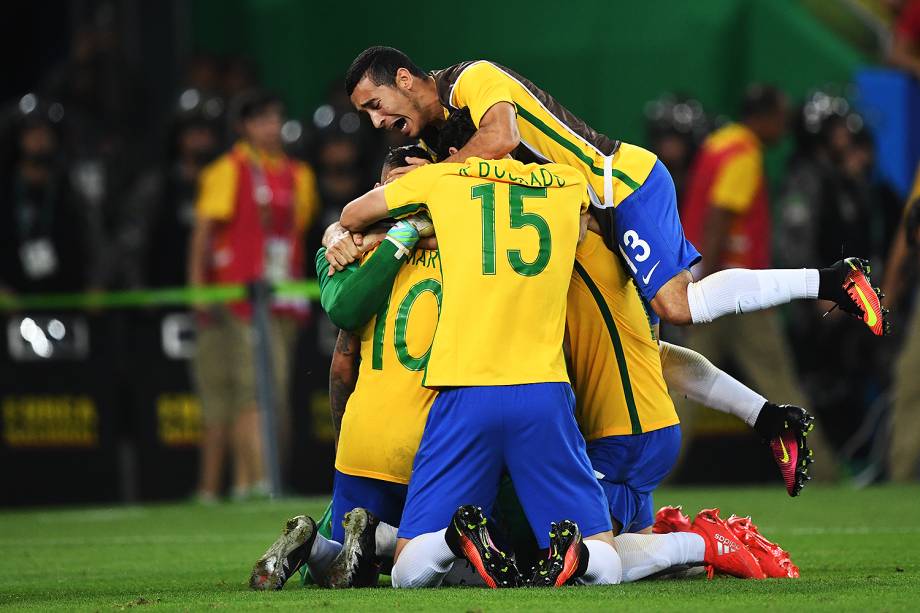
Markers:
406,209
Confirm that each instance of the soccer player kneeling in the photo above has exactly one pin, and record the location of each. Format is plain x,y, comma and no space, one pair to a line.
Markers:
507,234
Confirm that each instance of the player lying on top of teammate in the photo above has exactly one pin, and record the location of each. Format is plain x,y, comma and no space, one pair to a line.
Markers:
632,193
363,533
685,371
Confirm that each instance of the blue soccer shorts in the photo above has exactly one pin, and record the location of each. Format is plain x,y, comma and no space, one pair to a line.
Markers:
647,233
629,468
382,498
474,433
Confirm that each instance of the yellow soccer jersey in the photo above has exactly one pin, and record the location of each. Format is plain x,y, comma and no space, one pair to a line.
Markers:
507,233
386,414
616,367
549,131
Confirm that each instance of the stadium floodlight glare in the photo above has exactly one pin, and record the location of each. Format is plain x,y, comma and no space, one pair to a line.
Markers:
28,103
323,116
350,123
56,329
291,131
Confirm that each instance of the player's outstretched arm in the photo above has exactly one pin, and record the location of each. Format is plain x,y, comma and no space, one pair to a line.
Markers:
343,375
496,137
365,210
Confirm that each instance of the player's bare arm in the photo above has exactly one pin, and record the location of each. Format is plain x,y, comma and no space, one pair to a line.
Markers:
365,210
344,247
343,376
671,302
341,249
496,137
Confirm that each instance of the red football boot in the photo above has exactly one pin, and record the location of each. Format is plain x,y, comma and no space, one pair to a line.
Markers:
671,519
790,447
774,561
855,295
724,552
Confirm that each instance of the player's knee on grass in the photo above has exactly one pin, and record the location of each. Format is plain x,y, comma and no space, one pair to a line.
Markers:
423,561
400,545
604,566
670,303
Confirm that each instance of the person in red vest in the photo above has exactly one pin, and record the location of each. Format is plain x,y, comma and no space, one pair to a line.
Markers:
254,205
726,213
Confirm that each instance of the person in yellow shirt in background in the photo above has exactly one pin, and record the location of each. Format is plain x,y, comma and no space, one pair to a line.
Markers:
254,205
904,449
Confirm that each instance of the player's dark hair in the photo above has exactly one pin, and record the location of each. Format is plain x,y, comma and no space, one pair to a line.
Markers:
761,99
457,130
396,157
380,65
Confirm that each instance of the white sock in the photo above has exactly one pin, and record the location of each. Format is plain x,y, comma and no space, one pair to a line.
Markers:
738,290
604,566
423,562
646,554
690,374
385,538
322,554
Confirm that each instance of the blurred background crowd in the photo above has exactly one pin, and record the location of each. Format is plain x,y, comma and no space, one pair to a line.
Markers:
133,137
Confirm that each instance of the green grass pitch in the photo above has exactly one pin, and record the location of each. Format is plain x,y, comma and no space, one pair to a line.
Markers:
857,550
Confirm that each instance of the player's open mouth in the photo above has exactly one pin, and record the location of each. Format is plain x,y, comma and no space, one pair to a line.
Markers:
401,125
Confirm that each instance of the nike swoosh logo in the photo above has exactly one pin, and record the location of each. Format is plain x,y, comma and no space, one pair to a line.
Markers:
868,309
649,275
785,458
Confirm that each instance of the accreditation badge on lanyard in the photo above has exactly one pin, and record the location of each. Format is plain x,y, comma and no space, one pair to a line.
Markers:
277,255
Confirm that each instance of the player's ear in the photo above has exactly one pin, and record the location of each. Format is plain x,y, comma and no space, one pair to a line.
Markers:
404,78
452,150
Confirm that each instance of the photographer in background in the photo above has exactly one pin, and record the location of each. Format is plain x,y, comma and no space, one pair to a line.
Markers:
43,228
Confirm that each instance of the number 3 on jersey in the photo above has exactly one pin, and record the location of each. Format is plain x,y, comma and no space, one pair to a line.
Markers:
519,219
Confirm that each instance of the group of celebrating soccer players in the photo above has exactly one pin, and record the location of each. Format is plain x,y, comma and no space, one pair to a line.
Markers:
498,386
